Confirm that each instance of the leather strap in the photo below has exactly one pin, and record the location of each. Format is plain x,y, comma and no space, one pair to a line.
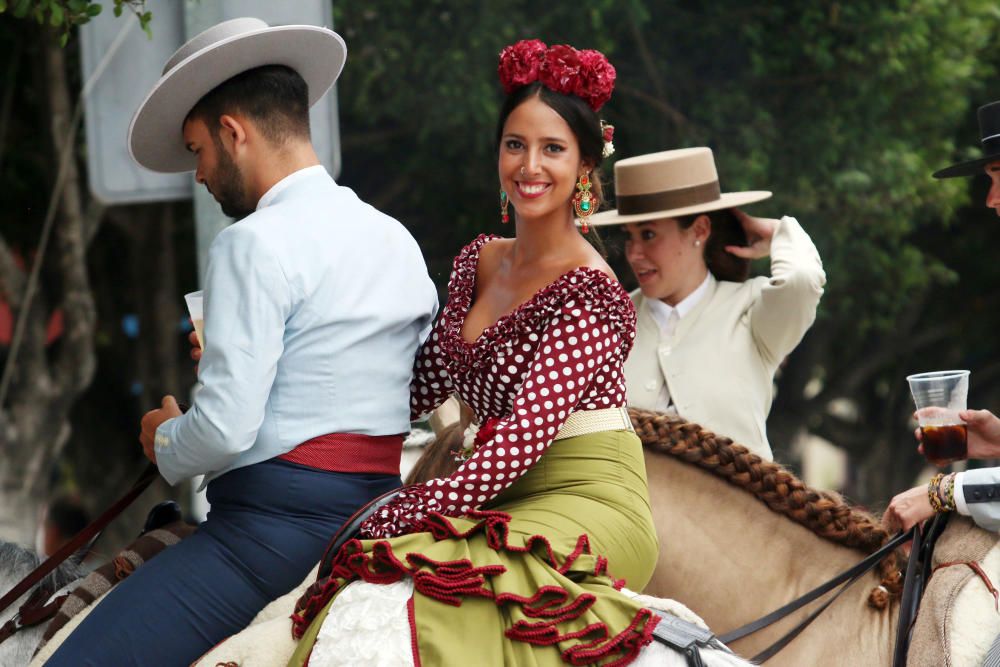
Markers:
685,638
351,529
80,539
918,571
847,578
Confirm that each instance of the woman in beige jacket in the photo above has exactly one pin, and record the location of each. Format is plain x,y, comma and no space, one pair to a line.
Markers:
709,340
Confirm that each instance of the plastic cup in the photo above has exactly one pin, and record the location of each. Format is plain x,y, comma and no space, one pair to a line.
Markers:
195,302
939,397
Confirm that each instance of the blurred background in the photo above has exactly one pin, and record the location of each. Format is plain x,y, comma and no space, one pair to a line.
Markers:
842,109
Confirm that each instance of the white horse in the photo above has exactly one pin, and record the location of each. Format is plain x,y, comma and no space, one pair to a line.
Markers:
16,562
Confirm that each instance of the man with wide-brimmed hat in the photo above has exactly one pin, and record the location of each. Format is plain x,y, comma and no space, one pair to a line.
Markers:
974,493
315,304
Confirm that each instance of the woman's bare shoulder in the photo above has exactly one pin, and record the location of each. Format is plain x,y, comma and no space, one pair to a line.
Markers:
593,260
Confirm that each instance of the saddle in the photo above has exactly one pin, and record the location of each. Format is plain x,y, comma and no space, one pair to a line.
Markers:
682,636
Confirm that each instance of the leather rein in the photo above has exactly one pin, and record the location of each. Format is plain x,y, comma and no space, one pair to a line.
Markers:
38,607
918,571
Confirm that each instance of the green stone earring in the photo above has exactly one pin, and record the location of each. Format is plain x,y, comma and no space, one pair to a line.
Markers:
584,202
504,218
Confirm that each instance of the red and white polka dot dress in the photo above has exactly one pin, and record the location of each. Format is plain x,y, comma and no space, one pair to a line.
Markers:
560,352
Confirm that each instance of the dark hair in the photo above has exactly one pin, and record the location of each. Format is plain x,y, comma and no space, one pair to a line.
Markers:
726,230
582,120
274,97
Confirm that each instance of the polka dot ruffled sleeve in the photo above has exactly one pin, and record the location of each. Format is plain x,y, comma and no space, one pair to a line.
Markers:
431,385
577,365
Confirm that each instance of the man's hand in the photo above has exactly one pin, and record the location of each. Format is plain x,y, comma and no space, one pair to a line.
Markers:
983,429
984,433
151,421
908,508
195,349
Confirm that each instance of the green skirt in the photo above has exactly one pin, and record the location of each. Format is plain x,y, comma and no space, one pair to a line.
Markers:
532,578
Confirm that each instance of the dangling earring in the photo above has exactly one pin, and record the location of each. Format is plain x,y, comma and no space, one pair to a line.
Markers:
584,203
504,218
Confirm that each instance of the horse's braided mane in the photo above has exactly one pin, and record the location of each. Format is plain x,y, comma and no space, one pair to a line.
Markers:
823,512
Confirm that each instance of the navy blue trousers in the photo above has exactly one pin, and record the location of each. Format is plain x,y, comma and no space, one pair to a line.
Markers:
268,526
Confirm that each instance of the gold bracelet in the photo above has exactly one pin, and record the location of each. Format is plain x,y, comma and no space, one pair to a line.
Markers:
948,488
932,493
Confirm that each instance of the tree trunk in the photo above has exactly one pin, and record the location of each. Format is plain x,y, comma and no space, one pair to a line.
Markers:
34,422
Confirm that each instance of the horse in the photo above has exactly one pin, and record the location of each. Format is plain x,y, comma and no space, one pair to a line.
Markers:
740,537
15,564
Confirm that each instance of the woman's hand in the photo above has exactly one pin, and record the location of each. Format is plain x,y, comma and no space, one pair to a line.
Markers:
759,232
907,509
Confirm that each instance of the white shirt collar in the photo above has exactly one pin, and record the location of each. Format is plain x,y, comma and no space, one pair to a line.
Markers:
661,311
281,185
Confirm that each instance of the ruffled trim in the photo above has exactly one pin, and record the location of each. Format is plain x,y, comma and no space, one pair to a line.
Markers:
450,581
581,287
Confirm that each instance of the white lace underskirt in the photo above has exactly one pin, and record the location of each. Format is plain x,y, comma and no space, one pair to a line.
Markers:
368,624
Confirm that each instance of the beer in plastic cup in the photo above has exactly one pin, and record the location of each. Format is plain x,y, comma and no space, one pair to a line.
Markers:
194,303
939,397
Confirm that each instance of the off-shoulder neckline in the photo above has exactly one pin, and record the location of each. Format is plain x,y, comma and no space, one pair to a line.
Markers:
471,258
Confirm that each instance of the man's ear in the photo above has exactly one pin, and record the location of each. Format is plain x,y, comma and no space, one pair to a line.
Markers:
233,133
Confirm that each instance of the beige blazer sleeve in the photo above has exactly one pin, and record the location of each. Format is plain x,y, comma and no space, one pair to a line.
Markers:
785,308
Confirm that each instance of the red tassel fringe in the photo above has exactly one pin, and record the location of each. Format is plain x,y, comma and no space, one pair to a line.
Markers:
450,581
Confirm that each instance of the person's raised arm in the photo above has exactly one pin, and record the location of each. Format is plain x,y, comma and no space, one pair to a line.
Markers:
786,306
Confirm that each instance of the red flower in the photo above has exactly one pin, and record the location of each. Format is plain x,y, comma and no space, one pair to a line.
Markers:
609,132
585,74
520,63
596,79
486,431
560,69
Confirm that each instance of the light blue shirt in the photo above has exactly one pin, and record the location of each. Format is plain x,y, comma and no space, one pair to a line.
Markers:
315,306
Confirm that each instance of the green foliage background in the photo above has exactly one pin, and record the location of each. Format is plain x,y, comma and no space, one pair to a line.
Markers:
843,109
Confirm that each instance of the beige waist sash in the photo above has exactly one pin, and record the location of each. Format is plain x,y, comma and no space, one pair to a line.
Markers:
594,421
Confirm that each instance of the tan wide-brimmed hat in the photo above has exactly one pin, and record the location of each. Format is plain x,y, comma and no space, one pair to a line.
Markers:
670,184
155,137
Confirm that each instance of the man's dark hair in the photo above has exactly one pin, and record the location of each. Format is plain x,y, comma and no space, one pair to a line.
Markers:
274,97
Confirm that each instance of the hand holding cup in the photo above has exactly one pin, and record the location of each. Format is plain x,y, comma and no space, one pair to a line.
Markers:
940,399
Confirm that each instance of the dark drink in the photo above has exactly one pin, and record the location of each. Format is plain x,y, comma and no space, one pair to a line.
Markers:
945,443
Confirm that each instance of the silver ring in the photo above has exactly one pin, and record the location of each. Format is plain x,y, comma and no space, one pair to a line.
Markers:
523,170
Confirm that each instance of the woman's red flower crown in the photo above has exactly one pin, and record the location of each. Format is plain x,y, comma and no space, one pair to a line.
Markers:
586,74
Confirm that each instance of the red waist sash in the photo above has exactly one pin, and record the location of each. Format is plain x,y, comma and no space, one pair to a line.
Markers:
350,452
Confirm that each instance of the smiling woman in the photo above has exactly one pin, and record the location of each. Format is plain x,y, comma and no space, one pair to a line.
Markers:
516,557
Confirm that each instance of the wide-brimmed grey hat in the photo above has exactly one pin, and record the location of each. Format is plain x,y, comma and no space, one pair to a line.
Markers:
670,184
989,133
155,137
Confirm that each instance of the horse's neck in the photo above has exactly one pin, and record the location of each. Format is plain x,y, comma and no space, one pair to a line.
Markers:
732,560
15,564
